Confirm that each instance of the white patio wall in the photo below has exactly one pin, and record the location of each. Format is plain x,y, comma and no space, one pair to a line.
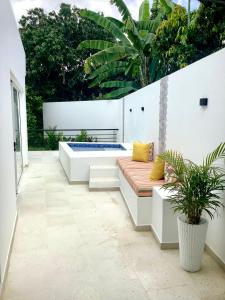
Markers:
194,130
142,125
12,67
100,114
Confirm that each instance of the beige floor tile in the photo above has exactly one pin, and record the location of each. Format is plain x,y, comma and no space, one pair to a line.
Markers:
72,244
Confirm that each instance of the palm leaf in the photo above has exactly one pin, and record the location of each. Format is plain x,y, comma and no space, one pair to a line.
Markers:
123,9
144,11
95,44
218,153
106,24
175,159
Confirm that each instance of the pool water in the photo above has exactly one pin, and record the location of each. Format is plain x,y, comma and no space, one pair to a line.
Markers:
95,147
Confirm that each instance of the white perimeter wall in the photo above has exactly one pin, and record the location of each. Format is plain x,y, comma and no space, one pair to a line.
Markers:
142,125
100,114
12,67
195,131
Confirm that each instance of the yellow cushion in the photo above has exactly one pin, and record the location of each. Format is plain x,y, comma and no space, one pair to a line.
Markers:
157,171
141,152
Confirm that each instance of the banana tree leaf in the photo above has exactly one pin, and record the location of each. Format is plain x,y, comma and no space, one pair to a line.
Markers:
143,33
149,40
123,9
133,68
107,68
106,76
118,23
95,44
133,33
118,93
144,11
167,5
106,24
117,83
150,25
108,55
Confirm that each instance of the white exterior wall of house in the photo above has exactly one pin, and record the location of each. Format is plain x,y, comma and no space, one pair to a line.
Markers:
100,114
195,130
12,67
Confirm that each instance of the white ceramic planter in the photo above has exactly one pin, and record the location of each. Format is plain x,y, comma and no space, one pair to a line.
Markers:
191,243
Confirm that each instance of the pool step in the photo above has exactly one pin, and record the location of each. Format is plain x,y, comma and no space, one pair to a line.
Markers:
103,177
103,171
104,183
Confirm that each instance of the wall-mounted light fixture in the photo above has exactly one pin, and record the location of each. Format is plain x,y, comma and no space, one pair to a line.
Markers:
142,108
130,109
203,102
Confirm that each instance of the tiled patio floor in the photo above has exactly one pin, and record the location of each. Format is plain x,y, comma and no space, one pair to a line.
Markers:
72,244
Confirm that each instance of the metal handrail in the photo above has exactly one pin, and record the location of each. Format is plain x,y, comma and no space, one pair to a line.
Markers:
99,135
98,129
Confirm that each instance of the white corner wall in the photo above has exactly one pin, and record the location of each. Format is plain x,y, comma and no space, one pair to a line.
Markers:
194,130
100,114
12,67
142,125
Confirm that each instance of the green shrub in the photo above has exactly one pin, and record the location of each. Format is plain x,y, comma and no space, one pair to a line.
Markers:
53,138
83,137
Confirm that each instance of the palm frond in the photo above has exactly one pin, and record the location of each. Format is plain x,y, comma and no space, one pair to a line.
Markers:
198,187
218,153
173,158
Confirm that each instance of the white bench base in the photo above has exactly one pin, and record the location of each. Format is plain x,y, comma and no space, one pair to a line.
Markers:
151,213
139,207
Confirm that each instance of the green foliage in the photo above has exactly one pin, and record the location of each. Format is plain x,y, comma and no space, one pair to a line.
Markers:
177,44
54,64
53,138
196,188
171,42
134,42
83,137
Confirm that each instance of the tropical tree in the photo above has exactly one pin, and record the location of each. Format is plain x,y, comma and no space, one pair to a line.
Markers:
132,53
54,65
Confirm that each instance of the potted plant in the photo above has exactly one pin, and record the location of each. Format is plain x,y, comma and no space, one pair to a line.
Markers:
195,190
